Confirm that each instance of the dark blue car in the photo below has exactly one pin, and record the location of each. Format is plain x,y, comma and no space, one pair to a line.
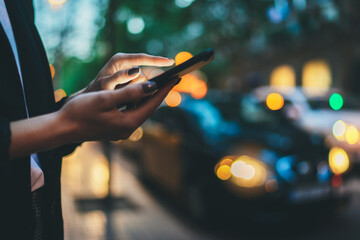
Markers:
229,154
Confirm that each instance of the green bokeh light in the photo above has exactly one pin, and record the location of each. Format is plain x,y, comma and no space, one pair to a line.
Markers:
336,101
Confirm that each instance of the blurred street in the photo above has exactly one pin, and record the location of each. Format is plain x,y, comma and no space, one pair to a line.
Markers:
138,215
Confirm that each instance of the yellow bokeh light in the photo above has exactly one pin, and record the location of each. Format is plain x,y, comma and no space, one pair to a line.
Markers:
338,160
182,57
52,70
283,77
222,169
248,172
317,77
224,172
173,99
243,171
136,135
274,101
57,2
352,135
59,94
339,129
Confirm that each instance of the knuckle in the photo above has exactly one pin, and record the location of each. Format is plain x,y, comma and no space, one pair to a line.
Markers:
103,84
116,57
101,98
130,94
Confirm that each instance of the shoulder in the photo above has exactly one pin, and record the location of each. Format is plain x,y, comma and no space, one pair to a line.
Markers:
26,7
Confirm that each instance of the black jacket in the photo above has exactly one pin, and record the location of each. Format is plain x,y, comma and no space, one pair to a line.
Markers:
15,193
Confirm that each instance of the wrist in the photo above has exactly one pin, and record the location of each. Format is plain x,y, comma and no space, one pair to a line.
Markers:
64,129
38,134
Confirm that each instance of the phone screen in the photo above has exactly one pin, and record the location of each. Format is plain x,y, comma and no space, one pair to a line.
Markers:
184,68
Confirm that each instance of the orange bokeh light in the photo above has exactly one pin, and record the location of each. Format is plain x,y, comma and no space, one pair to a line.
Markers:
224,172
182,57
52,70
193,85
275,101
199,90
173,99
59,94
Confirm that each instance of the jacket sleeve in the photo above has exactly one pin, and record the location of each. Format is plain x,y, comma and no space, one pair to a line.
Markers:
67,148
4,143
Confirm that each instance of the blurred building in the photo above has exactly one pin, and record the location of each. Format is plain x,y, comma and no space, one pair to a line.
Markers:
307,43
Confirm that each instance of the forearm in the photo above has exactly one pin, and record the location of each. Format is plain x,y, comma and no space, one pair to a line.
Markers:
37,134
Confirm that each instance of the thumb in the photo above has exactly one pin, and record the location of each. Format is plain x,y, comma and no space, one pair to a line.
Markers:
120,77
133,93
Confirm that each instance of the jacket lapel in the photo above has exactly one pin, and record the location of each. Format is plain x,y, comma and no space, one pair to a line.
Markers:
4,40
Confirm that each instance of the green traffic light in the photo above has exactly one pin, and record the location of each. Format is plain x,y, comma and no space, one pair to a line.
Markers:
336,101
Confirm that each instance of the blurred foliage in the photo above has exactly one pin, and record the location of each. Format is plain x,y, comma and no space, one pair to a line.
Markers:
239,31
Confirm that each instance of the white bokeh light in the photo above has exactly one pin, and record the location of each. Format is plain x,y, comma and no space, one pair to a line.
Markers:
135,25
183,3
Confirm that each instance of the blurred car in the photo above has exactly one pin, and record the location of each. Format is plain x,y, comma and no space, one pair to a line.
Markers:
314,114
229,154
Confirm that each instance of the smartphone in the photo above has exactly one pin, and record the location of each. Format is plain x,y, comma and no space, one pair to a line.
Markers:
184,68
178,71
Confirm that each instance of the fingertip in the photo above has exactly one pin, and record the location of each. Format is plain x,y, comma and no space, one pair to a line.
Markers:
171,60
165,62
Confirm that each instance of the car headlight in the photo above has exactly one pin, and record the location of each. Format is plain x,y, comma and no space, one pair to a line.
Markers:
338,160
244,171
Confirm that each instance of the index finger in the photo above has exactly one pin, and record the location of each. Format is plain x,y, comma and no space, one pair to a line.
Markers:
123,60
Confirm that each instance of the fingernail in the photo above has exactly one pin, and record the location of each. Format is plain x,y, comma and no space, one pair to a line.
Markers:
133,71
149,86
172,60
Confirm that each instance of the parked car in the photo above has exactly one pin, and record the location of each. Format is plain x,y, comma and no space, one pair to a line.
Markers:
314,114
229,154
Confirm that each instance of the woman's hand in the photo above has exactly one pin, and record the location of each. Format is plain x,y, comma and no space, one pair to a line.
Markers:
121,69
95,116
